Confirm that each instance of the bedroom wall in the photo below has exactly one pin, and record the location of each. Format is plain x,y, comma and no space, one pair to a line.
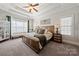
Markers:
2,15
55,19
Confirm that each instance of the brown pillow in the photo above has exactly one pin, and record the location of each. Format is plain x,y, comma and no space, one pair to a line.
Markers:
41,31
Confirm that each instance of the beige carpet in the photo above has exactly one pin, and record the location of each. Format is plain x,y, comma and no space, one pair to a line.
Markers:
58,49
17,48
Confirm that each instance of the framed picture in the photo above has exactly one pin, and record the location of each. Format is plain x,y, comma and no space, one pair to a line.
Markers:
46,21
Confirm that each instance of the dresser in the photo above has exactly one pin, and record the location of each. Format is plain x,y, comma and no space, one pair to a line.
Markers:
58,37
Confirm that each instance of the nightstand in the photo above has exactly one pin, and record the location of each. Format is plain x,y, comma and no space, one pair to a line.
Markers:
58,37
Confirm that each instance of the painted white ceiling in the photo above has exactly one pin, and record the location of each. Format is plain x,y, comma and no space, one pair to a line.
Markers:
14,10
45,8
54,7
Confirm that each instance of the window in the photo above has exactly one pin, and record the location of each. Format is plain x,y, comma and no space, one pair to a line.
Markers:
19,26
66,25
30,25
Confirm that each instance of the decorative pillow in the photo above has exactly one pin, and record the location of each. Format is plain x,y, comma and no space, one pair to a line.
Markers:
36,30
41,31
48,35
46,30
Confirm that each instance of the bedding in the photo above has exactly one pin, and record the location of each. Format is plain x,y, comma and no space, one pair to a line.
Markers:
41,31
48,35
42,38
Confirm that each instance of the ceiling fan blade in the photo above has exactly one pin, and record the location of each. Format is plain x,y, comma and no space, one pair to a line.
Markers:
30,10
35,10
35,5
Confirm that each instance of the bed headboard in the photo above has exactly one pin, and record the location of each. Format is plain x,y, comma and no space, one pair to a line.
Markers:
49,28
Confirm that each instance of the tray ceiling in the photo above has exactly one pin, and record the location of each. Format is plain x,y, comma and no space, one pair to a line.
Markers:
18,8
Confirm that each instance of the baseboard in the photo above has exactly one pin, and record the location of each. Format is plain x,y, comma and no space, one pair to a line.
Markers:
71,42
4,40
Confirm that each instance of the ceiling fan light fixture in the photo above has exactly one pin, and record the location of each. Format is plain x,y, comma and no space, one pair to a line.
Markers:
32,7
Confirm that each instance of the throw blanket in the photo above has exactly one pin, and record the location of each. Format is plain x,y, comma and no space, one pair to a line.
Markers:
42,39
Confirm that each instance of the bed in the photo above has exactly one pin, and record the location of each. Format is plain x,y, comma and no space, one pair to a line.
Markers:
37,41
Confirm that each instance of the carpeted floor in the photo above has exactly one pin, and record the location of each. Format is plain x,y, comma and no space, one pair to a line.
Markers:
58,49
17,48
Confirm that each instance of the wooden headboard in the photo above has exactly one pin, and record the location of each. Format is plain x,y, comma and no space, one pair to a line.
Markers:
49,28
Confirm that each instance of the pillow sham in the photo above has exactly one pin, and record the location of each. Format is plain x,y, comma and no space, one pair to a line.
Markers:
41,31
48,35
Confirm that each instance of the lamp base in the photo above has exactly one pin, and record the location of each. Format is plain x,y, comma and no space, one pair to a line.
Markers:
56,30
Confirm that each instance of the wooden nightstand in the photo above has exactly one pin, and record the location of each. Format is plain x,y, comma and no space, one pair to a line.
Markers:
58,38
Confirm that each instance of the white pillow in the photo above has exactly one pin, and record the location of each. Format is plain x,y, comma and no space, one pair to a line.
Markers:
48,35
46,31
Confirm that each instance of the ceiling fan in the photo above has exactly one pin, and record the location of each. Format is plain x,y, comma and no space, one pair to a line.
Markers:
31,7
